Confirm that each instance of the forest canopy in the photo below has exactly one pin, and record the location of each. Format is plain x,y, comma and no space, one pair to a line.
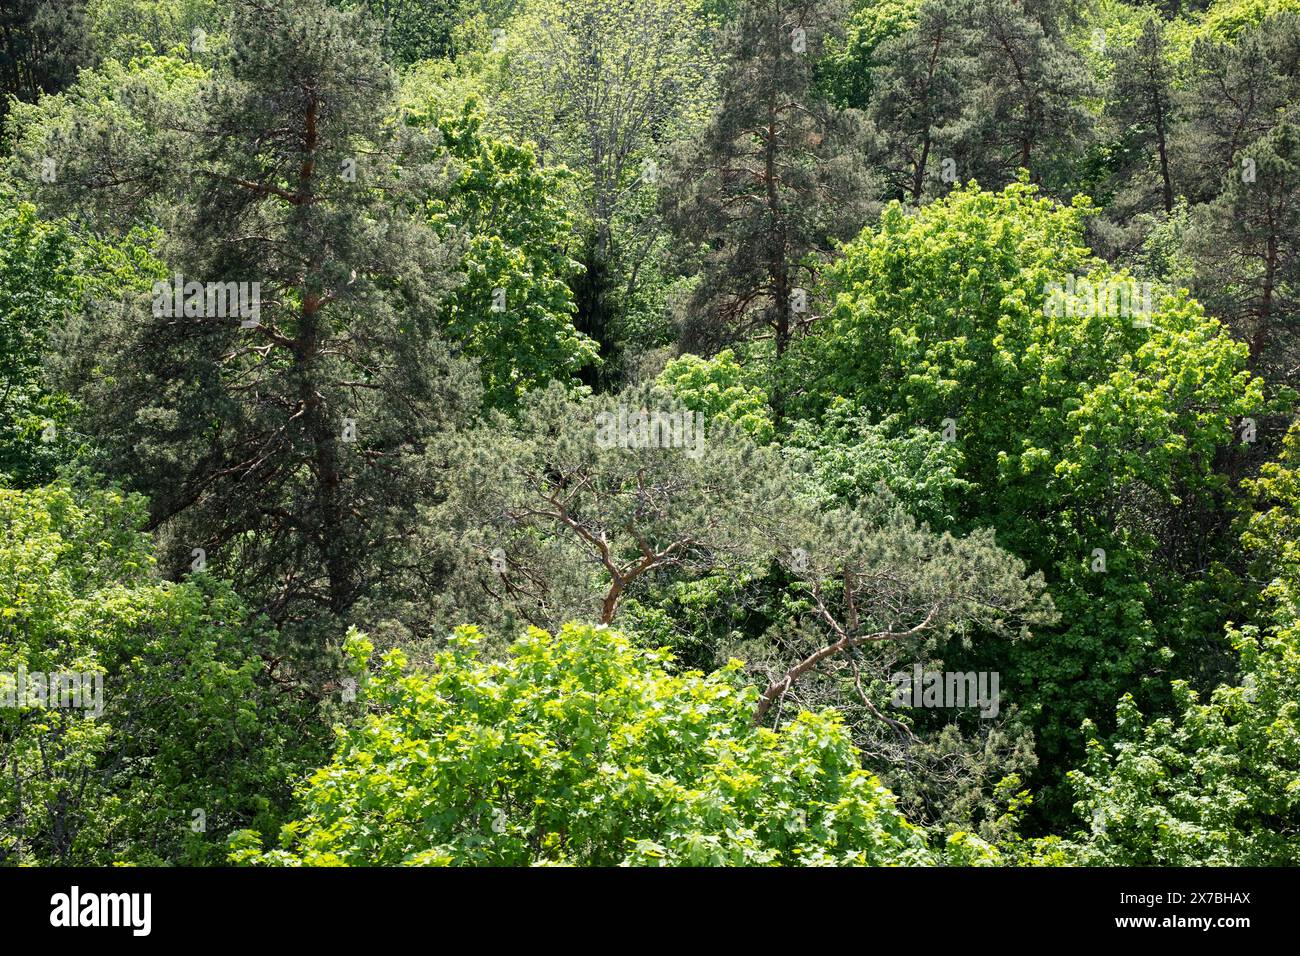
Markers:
649,432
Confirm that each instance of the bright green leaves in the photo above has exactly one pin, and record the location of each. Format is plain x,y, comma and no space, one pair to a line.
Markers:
514,311
846,71
185,719
581,749
848,458
1219,782
721,386
37,289
53,281
1080,426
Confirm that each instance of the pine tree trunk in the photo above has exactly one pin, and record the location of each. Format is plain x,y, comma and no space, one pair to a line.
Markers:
1162,149
330,514
778,271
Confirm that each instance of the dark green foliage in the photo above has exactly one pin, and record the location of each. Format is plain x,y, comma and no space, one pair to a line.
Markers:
1028,103
1216,783
775,178
1236,93
1141,104
1241,129
1246,248
922,102
282,446
42,43
583,502
417,29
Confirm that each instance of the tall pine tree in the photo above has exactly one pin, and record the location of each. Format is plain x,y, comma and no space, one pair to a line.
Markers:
1141,104
920,101
1246,248
777,176
1028,106
278,445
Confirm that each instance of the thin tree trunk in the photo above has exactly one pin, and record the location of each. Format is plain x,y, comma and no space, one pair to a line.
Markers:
339,564
1161,146
777,268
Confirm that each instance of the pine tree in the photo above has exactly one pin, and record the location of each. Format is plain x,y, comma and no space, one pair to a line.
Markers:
1246,249
1236,94
277,446
920,94
778,175
42,44
1028,110
1239,155
1141,102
